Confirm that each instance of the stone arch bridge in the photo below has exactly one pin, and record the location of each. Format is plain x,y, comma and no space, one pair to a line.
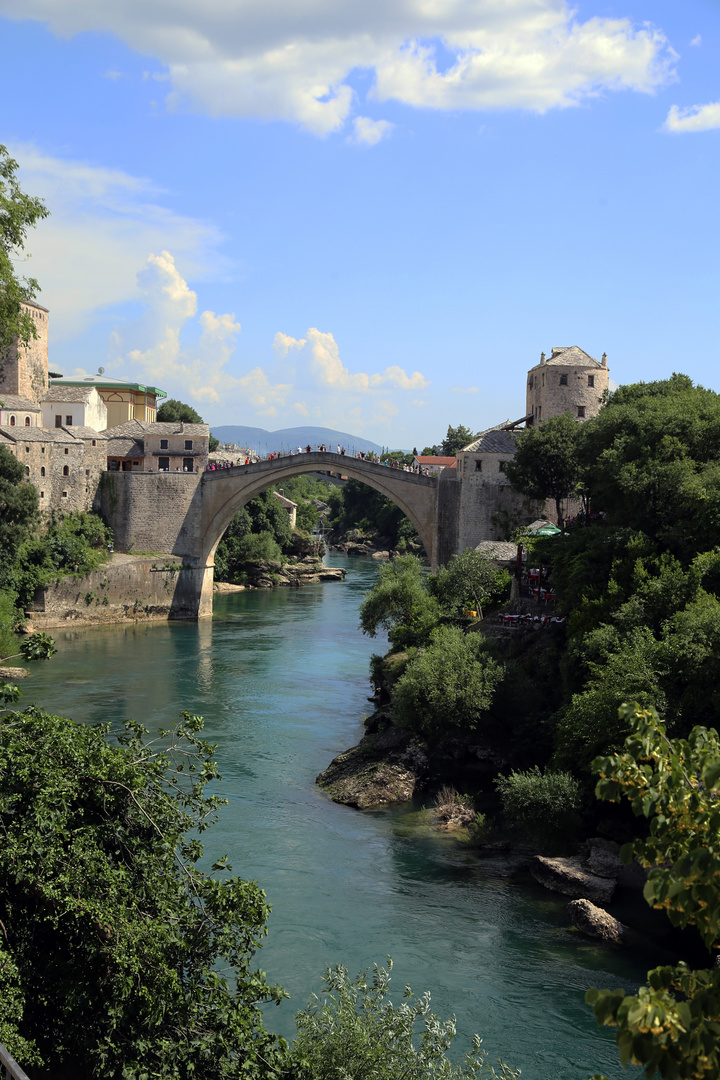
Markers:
186,515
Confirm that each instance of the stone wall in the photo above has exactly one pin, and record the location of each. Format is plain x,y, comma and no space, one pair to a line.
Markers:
548,396
25,370
128,588
154,512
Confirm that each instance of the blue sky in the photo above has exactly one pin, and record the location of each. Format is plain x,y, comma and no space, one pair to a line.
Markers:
371,216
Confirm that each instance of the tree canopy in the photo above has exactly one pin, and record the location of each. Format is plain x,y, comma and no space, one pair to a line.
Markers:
456,438
545,465
18,213
671,1025
120,956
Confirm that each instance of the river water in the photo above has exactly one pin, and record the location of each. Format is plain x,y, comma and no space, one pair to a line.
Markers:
281,679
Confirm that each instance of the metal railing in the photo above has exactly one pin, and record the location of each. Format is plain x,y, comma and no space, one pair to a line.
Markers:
9,1068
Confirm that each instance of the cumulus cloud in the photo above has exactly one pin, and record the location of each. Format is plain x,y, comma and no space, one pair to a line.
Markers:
103,223
369,131
293,59
696,118
165,356
328,370
697,40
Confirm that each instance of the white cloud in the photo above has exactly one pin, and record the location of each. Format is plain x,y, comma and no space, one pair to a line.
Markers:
292,59
370,131
102,225
329,371
156,346
695,118
697,40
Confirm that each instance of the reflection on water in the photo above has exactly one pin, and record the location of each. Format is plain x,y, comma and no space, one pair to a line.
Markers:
281,679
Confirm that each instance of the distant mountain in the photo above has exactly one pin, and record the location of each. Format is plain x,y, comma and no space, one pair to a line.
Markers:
267,442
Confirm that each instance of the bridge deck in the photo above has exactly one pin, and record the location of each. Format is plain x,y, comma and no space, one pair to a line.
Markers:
316,459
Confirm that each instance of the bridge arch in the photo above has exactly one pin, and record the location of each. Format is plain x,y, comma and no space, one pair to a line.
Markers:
226,491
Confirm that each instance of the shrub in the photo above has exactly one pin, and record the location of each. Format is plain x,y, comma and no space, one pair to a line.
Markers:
447,688
543,804
357,1033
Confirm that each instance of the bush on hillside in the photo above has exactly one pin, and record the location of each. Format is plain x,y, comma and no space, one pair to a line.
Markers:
447,687
542,804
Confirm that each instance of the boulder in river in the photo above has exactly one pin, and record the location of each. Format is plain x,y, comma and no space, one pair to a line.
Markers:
383,768
572,878
597,923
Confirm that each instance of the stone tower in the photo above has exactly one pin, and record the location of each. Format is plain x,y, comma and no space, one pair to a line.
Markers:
24,371
569,380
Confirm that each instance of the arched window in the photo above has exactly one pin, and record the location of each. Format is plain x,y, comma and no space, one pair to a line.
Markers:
66,470
27,470
42,470
12,421
27,421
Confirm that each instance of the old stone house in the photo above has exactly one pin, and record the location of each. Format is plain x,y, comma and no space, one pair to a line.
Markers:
73,406
569,380
124,400
19,411
64,466
157,447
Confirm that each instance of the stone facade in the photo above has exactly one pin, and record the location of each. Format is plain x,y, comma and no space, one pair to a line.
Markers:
25,370
19,412
158,447
569,380
65,468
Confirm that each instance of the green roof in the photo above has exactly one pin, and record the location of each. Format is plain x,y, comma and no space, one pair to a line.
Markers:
103,382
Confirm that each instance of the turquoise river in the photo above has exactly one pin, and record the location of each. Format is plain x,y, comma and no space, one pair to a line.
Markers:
281,678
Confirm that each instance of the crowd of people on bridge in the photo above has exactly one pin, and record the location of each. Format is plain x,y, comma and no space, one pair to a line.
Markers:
323,448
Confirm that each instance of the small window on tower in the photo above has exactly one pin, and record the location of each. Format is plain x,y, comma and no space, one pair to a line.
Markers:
42,470
563,380
12,421
66,470
188,444
591,380
58,421
478,465
501,465
27,421
581,412
164,444
68,421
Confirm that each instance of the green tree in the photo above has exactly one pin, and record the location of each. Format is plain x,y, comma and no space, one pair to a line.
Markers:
123,957
545,465
174,412
456,438
400,604
357,1033
18,213
448,687
651,460
671,1025
470,580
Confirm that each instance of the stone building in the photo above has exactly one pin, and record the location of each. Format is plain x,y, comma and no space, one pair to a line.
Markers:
569,380
73,406
24,371
489,508
18,411
157,447
65,467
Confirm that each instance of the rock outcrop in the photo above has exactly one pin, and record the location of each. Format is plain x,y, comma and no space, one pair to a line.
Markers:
306,571
571,877
385,767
